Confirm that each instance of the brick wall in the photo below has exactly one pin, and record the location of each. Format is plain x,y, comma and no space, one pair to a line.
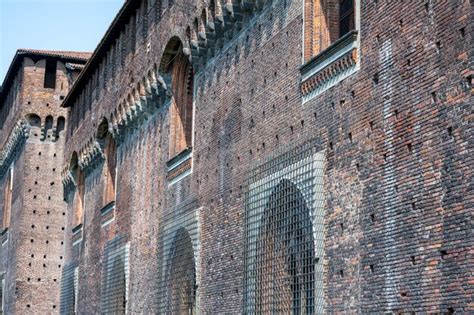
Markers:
32,251
395,135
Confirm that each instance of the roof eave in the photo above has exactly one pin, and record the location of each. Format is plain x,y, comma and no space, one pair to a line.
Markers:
14,65
101,49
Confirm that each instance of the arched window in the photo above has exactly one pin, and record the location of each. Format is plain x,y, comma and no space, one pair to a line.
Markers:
285,254
181,275
107,142
7,198
60,125
78,201
325,22
34,120
48,125
176,66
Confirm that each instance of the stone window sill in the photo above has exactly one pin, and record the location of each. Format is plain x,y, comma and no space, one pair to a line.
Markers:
107,214
330,67
4,236
180,166
77,235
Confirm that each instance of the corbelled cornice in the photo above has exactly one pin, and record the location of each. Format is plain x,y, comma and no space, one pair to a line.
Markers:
91,156
17,138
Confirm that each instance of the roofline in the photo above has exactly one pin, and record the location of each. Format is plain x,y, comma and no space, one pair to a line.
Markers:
115,28
16,63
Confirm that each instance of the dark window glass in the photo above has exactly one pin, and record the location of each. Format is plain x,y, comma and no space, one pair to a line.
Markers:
50,75
346,17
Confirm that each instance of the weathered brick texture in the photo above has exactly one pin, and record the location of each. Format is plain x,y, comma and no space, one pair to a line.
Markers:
396,136
32,251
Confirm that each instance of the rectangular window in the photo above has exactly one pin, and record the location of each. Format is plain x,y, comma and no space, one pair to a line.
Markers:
346,17
50,75
331,44
326,21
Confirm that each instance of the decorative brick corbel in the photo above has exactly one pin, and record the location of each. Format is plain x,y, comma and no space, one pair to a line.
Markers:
14,144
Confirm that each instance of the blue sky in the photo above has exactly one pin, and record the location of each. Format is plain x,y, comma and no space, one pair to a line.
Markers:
52,24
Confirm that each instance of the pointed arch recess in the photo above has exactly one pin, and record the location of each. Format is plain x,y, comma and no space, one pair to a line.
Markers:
109,147
178,72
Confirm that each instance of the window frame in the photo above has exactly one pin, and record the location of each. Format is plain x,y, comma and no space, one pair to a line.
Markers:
330,65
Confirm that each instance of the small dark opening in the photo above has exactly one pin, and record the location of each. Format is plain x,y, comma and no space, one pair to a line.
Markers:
450,132
376,78
50,75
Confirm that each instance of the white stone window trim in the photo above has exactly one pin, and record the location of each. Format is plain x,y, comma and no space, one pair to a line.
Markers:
341,76
178,161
